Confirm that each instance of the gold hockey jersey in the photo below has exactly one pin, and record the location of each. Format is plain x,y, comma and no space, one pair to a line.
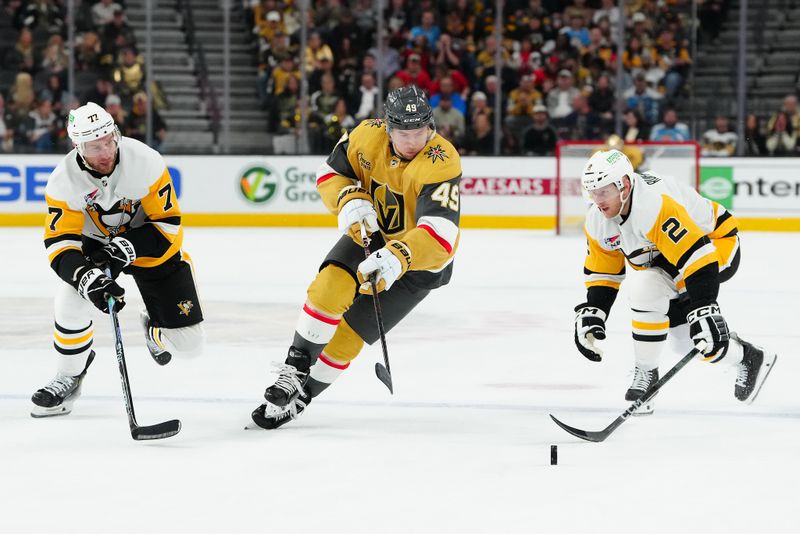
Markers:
417,201
669,226
137,201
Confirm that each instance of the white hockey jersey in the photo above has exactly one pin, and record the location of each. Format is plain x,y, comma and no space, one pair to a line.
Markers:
137,198
669,226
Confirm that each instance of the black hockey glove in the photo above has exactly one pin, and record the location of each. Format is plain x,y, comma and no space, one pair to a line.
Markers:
707,324
117,255
590,324
96,287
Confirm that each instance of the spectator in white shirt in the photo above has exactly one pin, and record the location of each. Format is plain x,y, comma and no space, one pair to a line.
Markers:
103,12
367,107
559,99
720,141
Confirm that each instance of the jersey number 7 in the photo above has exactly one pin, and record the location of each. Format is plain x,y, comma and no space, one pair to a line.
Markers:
166,191
57,213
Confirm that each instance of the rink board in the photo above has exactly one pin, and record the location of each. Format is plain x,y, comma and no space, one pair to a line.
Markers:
498,192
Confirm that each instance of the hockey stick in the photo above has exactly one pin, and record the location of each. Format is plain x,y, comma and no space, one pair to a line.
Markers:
158,431
603,434
383,372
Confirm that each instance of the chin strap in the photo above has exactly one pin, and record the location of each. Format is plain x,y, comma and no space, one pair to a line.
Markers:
623,200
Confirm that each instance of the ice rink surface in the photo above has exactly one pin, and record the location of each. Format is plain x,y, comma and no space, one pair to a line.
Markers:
463,445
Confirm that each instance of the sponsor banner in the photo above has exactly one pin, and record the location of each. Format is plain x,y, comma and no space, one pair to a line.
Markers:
717,184
242,184
520,186
754,185
499,192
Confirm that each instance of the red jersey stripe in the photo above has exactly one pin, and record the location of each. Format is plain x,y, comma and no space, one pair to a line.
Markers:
442,241
319,317
327,361
325,177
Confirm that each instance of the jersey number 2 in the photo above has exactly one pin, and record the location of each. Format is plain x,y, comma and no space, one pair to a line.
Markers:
166,191
672,227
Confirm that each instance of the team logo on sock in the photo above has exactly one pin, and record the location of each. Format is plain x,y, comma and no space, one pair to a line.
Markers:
185,306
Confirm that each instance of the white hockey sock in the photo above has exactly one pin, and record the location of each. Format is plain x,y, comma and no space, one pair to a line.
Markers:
73,347
649,336
326,370
315,326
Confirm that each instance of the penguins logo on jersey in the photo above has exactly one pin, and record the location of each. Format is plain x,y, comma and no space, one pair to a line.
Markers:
185,307
390,207
114,221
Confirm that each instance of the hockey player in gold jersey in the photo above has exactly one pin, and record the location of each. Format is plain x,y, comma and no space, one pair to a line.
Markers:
111,204
682,246
400,179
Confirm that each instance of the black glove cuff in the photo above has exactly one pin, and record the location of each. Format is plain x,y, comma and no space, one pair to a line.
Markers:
703,286
602,297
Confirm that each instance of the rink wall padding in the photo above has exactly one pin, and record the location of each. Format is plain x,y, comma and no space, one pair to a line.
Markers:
501,193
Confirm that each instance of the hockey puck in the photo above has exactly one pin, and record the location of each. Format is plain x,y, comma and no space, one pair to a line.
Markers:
553,454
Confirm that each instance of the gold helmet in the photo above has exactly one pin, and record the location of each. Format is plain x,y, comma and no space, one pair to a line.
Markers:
614,141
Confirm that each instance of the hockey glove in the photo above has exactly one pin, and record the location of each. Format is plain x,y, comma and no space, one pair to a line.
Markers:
386,265
590,325
355,205
707,323
96,287
117,255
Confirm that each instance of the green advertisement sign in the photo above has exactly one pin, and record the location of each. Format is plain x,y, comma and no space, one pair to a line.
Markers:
258,184
716,183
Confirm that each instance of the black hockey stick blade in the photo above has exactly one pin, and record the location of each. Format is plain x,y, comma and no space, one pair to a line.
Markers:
384,376
603,434
596,437
167,429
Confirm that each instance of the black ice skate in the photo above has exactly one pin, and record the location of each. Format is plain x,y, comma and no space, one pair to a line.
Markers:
57,397
292,377
753,371
270,417
642,381
152,337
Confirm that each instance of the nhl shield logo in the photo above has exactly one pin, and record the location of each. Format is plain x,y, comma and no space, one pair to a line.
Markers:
185,306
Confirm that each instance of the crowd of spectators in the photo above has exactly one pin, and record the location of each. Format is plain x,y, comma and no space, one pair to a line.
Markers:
559,65
34,99
557,81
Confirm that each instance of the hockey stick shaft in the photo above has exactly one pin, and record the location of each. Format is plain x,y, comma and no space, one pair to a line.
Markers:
123,368
649,394
157,431
384,371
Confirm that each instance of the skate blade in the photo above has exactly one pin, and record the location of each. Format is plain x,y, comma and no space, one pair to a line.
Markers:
769,363
40,412
645,409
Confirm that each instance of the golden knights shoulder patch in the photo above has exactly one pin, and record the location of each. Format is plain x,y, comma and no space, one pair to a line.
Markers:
436,153
375,123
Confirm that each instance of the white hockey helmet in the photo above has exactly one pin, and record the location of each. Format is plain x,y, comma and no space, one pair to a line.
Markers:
90,122
606,167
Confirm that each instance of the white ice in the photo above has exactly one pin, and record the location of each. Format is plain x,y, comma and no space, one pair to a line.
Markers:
462,446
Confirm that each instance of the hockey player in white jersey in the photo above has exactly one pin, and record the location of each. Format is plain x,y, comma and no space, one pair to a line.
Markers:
682,246
111,204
